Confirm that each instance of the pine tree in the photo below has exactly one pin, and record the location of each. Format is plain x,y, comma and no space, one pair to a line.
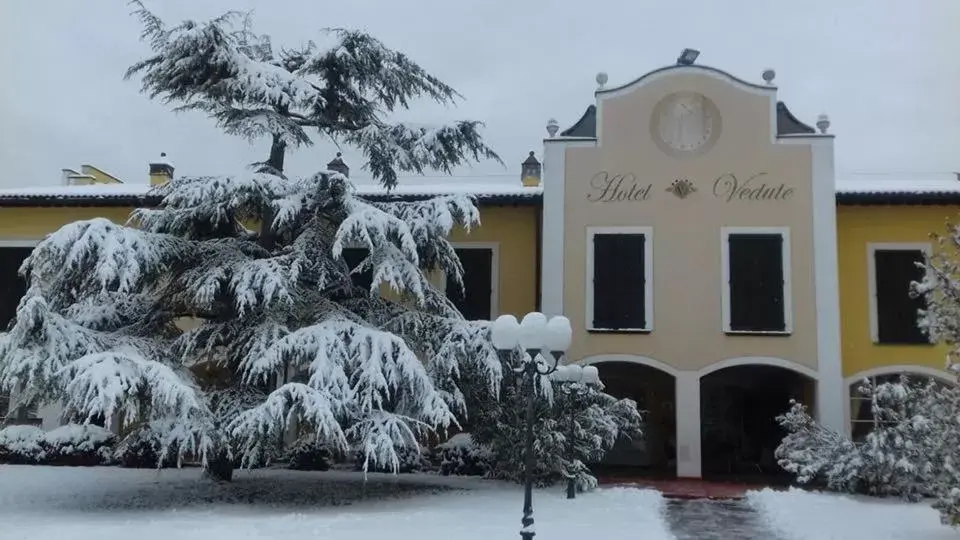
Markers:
283,335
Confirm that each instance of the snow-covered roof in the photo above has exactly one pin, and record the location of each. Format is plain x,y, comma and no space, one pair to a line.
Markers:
851,188
491,188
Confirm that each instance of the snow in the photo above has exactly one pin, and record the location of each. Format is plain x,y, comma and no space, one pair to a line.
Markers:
899,183
412,186
494,185
119,504
802,515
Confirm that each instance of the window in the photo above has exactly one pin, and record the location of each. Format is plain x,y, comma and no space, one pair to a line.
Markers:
862,420
893,313
620,279
476,300
12,286
756,271
4,406
353,257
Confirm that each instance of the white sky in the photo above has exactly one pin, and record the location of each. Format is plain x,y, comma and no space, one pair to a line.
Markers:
886,71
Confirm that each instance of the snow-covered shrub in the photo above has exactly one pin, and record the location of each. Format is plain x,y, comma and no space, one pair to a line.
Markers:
141,448
308,454
597,421
22,445
461,456
78,445
902,456
97,329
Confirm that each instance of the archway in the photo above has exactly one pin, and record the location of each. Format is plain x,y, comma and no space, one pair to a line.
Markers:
860,420
739,404
654,391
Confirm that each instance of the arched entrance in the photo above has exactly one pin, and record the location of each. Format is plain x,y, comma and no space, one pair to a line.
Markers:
654,390
738,408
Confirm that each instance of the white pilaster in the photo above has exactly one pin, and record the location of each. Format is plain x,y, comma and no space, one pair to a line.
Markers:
830,393
551,263
688,424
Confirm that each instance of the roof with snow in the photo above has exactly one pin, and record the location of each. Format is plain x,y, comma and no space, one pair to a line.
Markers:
489,190
858,188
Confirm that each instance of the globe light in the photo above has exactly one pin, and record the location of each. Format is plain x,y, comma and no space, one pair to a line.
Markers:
558,334
574,373
591,375
505,333
533,330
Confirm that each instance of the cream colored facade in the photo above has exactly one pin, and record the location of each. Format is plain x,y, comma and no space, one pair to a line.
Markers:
748,176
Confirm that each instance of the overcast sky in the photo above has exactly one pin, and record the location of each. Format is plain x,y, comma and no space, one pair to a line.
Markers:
885,71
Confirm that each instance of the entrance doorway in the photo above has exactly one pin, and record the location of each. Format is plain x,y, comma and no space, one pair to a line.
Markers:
654,454
738,430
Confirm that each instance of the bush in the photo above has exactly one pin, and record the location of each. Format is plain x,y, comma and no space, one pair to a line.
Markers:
308,454
78,445
461,456
140,449
22,445
409,460
75,445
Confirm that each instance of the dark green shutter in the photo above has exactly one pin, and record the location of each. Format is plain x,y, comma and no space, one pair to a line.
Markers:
475,299
12,286
897,312
756,283
619,281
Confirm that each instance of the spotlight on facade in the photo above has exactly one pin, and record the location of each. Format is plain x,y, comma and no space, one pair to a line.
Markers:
688,57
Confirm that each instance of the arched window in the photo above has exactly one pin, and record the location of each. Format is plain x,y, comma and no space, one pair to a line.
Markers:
861,411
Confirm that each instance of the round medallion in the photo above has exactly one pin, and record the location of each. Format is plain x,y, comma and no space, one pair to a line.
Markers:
685,123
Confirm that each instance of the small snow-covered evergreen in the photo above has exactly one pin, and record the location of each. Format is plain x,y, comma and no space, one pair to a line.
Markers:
283,333
598,420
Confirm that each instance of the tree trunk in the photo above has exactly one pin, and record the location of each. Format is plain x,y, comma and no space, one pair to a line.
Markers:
278,150
219,468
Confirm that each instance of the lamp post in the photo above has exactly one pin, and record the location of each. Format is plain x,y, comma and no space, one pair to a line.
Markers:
538,338
574,380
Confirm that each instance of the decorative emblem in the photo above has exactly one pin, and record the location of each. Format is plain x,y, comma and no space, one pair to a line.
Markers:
682,188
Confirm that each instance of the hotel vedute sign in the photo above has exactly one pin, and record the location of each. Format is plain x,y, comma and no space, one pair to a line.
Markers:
607,187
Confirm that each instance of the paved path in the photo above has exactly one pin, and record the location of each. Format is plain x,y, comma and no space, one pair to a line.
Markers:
704,519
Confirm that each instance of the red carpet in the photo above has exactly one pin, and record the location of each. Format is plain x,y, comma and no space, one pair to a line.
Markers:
686,488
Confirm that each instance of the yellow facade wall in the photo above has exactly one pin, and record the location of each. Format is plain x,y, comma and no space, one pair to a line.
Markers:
512,228
25,223
858,226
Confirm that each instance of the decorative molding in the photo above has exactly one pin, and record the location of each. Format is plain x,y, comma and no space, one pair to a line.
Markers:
682,188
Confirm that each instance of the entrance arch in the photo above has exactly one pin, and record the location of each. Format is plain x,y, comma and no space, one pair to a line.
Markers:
740,399
652,385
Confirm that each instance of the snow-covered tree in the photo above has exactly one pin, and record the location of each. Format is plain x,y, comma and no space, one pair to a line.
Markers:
283,334
598,420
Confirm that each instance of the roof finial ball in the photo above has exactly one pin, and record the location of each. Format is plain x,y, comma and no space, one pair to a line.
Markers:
768,75
601,80
823,123
553,127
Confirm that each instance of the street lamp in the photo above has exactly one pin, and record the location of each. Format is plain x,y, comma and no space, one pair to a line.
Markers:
538,338
574,381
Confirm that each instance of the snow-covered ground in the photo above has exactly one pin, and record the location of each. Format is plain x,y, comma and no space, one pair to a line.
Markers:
802,515
111,503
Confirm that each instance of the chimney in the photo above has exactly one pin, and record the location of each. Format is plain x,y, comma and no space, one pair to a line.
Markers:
161,172
530,171
338,165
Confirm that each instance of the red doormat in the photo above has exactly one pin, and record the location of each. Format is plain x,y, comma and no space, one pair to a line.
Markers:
686,488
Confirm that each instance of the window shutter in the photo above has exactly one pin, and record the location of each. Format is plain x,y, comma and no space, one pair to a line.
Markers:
12,286
606,273
619,281
897,312
475,299
756,282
